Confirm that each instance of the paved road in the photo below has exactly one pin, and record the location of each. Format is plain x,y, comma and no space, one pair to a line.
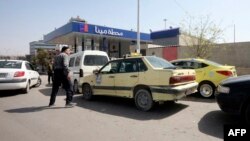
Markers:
25,117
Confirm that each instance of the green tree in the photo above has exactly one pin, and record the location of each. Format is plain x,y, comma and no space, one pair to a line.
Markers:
42,58
34,61
200,35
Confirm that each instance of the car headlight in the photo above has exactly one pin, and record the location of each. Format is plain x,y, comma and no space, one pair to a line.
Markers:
222,89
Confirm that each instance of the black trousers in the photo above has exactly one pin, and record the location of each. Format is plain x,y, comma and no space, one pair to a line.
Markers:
61,79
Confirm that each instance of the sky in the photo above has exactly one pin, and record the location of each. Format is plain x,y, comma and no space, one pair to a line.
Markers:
24,21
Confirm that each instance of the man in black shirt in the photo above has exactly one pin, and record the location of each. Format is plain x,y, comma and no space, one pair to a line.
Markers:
61,76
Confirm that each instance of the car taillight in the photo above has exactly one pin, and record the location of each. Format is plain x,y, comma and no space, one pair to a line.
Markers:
226,73
19,74
181,79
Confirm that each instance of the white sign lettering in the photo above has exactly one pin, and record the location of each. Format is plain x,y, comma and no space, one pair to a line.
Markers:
237,132
107,32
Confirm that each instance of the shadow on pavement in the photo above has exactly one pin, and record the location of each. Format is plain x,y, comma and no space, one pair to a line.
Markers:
47,92
197,98
31,109
26,110
8,93
126,108
212,123
48,85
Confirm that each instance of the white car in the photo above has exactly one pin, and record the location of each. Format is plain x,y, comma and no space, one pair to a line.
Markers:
18,74
83,63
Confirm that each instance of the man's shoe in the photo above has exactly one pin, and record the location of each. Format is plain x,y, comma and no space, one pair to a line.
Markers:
70,105
51,105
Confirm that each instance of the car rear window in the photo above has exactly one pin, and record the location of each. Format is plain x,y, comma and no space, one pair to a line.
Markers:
11,64
95,60
214,63
157,62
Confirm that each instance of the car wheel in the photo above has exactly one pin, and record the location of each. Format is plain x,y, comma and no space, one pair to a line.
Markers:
206,89
75,87
39,82
247,114
27,89
143,100
87,92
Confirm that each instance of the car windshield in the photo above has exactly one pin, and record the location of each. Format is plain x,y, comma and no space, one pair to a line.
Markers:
157,62
95,60
10,64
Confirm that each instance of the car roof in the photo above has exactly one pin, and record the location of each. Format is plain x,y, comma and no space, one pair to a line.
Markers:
132,57
125,58
190,59
14,60
89,52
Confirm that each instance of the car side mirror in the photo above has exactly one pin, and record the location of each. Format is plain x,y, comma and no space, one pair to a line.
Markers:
96,71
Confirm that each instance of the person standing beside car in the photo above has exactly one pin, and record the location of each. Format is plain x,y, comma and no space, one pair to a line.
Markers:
50,71
61,76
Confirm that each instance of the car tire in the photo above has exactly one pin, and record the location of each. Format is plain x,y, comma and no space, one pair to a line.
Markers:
27,89
206,89
87,92
75,87
39,82
247,114
143,100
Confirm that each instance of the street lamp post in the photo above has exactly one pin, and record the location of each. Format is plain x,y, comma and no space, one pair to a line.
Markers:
234,33
165,20
138,27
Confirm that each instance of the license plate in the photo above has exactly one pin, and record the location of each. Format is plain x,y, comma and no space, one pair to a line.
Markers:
3,75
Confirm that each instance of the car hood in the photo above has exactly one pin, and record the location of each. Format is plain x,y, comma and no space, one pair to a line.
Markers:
234,80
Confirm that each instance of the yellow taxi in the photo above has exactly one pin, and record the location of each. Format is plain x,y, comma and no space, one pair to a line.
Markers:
208,73
146,79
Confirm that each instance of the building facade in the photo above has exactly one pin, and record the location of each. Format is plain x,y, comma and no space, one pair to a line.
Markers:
34,46
80,36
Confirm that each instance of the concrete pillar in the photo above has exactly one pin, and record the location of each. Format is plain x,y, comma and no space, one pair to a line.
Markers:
92,44
119,49
83,44
78,44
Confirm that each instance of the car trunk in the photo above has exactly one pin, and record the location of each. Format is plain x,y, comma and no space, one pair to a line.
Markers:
9,73
182,76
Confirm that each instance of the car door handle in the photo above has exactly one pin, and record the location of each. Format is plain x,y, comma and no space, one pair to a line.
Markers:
111,76
133,76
